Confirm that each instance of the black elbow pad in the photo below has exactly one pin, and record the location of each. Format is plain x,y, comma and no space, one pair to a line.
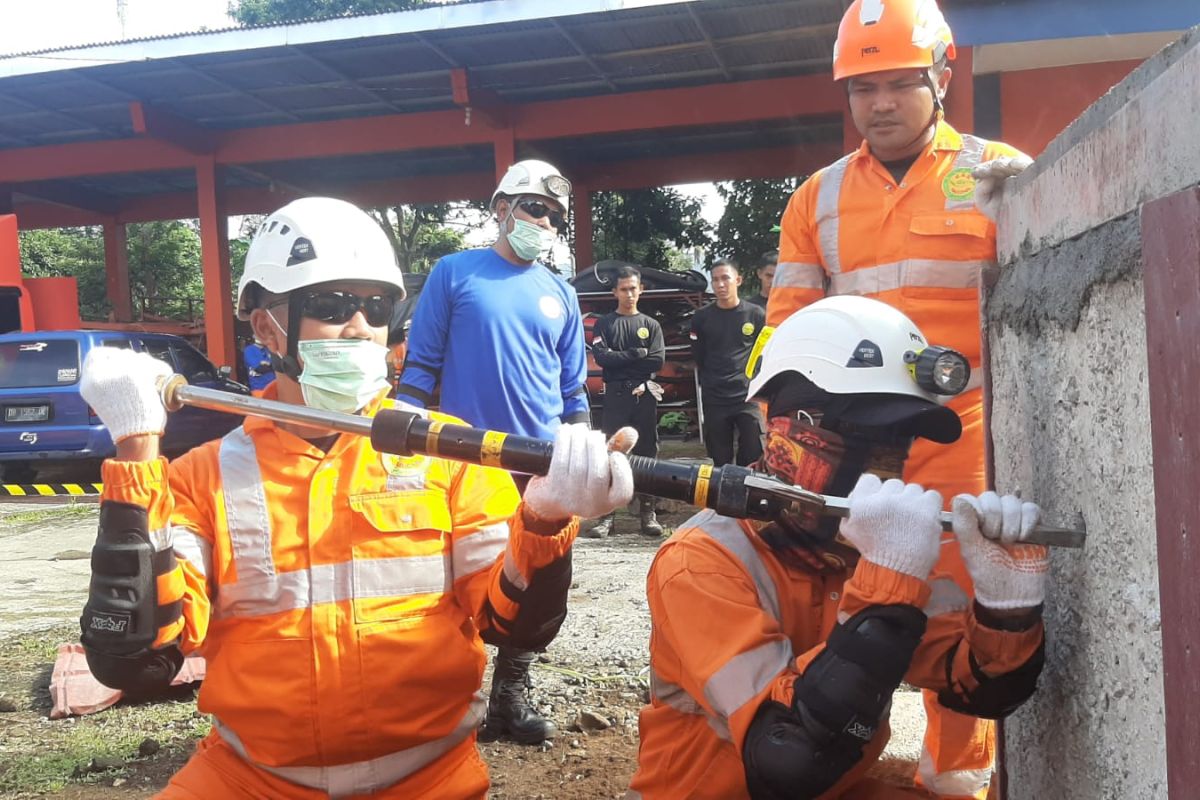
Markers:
542,608
122,618
994,698
802,751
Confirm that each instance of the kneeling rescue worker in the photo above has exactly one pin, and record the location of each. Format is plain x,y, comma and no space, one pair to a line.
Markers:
776,647
340,596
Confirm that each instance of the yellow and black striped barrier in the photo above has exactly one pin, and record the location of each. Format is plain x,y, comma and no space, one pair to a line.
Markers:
50,489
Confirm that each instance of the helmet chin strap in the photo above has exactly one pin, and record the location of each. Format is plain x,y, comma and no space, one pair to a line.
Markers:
288,364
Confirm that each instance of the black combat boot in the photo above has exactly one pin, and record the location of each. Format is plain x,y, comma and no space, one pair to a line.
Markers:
650,523
509,711
601,529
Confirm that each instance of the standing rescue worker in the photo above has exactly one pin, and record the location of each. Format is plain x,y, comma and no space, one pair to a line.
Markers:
628,345
776,647
502,335
338,594
259,371
908,219
722,336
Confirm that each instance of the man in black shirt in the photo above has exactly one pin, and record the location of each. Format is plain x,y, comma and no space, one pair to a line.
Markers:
766,276
628,346
723,333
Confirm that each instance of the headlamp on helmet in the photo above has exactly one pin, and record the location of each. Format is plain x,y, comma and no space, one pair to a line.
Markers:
939,370
558,185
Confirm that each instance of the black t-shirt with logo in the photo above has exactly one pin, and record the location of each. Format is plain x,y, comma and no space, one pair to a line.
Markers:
618,342
722,339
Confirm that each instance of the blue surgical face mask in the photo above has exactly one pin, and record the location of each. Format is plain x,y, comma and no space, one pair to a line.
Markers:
529,241
341,375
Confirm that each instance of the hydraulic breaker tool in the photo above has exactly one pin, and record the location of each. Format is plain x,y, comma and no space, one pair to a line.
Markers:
729,490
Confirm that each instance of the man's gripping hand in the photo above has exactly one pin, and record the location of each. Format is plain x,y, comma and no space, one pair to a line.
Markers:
991,531
895,525
122,387
585,479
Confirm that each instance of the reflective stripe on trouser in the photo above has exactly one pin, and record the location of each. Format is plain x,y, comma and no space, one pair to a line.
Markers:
961,767
364,777
215,770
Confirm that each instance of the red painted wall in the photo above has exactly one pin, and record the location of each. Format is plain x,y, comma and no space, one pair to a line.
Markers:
10,267
1036,104
55,303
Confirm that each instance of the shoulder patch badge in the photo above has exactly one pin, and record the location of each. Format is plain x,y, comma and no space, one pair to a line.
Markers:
959,184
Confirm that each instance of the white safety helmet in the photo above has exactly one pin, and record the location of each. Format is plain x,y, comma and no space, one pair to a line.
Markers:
855,345
533,177
316,240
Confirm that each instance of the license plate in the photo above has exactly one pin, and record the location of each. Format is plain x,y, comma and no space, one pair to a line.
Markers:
27,413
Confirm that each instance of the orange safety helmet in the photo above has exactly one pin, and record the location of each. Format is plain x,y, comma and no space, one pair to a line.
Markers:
878,35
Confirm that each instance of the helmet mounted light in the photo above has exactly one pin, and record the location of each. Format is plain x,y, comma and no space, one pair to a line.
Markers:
558,185
939,370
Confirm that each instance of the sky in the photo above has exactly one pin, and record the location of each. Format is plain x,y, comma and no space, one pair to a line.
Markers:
58,23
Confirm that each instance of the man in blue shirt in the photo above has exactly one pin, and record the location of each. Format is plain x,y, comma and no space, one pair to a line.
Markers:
259,371
502,336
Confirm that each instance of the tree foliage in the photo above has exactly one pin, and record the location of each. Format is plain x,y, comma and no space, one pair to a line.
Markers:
421,234
265,12
647,226
744,233
164,266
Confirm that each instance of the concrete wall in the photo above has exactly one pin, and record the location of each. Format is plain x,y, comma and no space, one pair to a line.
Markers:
1071,428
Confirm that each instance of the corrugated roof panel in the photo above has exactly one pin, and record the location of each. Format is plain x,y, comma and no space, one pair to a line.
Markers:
39,123
748,18
289,70
386,60
505,47
67,93
661,64
213,108
166,84
532,77
610,37
779,51
315,98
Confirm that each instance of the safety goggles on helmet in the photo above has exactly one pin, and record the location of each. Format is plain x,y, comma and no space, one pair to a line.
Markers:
539,210
338,307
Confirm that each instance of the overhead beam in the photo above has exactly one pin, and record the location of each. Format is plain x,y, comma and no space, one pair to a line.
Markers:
485,104
160,124
732,103
71,196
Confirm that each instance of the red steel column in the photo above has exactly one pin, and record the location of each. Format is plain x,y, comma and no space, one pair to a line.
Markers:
1171,255
116,271
504,150
214,255
584,253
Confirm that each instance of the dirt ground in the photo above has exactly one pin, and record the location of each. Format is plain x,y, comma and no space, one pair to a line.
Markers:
592,680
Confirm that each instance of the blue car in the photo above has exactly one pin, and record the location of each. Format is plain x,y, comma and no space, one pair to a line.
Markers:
44,420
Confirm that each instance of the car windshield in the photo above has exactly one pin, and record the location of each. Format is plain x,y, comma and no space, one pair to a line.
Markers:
34,363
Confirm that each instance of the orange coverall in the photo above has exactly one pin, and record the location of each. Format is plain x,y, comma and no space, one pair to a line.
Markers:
339,600
920,247
733,627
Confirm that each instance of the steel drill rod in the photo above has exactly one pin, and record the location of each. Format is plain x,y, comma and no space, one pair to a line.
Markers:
730,489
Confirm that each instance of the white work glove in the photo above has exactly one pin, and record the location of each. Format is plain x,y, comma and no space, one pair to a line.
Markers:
990,530
122,387
895,525
586,478
989,181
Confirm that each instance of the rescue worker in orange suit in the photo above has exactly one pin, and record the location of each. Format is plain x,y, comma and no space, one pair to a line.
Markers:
908,218
341,596
776,647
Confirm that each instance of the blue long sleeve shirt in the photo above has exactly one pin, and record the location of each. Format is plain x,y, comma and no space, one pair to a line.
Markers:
504,341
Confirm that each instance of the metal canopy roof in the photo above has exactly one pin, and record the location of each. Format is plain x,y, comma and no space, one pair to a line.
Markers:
521,50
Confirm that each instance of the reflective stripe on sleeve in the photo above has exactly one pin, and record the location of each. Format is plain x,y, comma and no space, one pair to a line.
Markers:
747,674
478,550
194,549
510,569
798,275
945,597
730,535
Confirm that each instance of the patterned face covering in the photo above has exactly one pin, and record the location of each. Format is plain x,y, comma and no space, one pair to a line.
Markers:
823,461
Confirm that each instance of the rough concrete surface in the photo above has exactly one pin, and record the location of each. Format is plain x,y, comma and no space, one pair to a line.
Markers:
1071,428
1135,144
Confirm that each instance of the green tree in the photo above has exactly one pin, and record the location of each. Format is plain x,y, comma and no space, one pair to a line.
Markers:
164,266
265,12
419,233
647,226
744,233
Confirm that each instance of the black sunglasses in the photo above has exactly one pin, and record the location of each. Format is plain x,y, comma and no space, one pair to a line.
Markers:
339,307
538,210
